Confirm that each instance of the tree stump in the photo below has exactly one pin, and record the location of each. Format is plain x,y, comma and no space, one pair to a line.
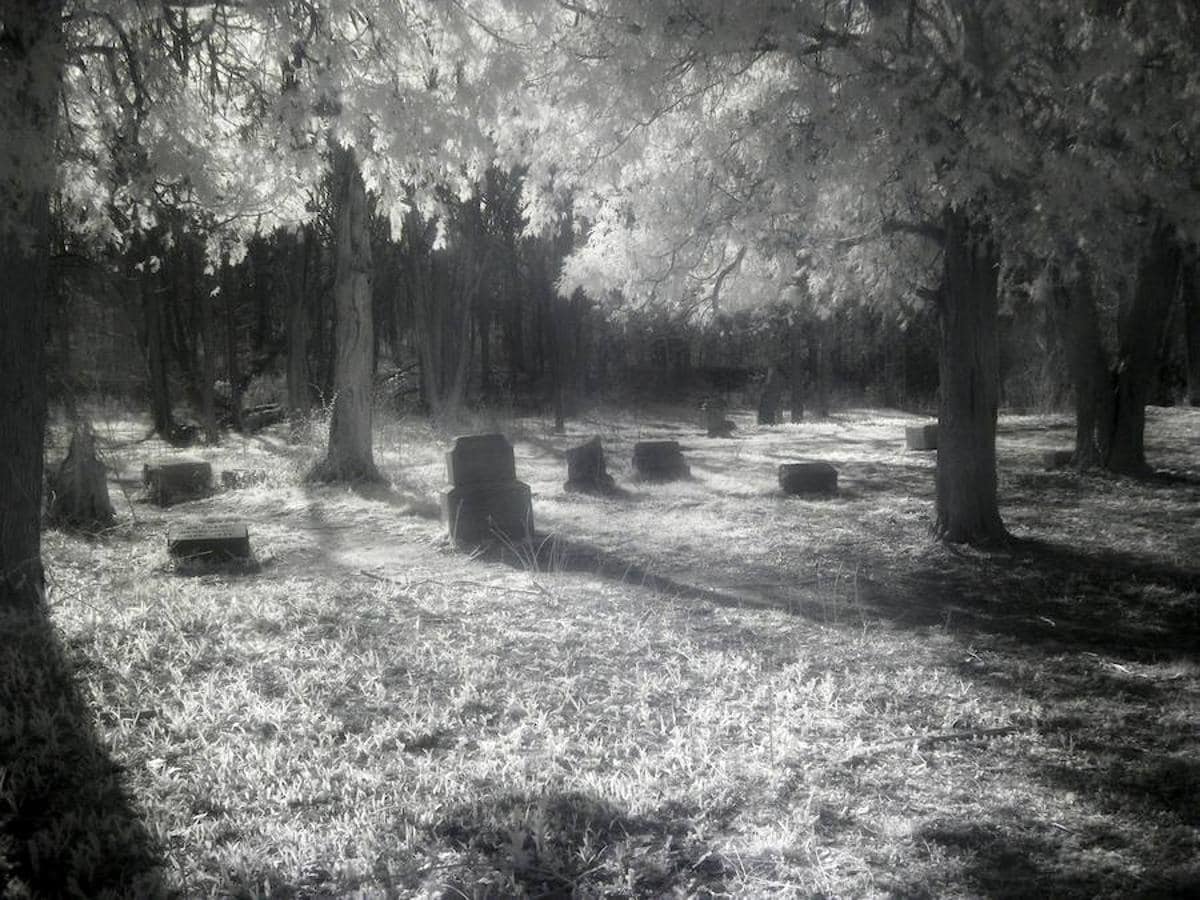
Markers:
79,488
659,461
808,478
485,501
586,471
921,437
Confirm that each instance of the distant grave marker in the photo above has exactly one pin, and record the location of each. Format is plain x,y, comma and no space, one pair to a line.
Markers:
177,480
209,542
1057,459
808,478
921,437
715,423
485,499
233,479
659,461
586,471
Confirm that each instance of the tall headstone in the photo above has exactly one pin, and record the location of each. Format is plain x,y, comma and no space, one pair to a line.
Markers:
485,499
176,480
659,461
921,437
715,422
586,471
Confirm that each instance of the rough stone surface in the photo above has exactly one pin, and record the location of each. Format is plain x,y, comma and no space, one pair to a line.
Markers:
479,512
586,470
659,461
808,478
177,480
479,459
232,479
1057,459
485,500
715,423
921,437
210,542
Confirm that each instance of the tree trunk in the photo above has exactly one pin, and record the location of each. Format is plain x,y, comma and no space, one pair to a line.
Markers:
80,485
795,369
350,456
1139,330
1074,306
299,397
969,367
1190,290
31,61
202,300
158,378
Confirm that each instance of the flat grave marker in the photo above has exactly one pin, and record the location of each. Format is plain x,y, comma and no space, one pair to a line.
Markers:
209,541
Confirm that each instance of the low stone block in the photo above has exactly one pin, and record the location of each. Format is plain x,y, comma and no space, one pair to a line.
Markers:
1057,459
233,479
715,423
216,542
478,512
808,478
659,461
921,437
177,480
586,470
480,458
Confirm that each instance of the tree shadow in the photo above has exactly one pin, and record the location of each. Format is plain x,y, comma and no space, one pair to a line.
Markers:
402,495
67,825
574,844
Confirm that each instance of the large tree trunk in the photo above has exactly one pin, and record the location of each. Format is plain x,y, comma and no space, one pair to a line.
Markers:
969,366
1139,330
202,304
157,375
299,397
795,337
31,60
1190,290
350,456
1074,308
80,485
822,330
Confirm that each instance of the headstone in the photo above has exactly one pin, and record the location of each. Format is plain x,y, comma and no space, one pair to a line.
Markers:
586,471
233,479
1057,459
171,482
921,437
808,478
771,398
659,461
715,423
210,542
485,499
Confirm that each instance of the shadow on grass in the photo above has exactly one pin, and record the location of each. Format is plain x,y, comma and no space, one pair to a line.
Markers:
574,844
67,826
400,494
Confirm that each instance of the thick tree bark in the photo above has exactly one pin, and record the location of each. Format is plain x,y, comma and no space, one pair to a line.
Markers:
969,366
31,61
795,339
158,379
1190,289
299,397
202,303
350,456
1139,330
822,365
80,485
1074,307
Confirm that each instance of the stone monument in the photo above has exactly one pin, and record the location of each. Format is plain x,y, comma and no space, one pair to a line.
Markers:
808,478
659,461
586,471
209,542
171,481
485,499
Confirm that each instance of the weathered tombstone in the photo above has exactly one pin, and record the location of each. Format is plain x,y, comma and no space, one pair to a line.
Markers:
259,417
715,423
1057,459
233,479
808,478
659,461
79,487
485,499
921,437
171,482
586,471
209,542
771,398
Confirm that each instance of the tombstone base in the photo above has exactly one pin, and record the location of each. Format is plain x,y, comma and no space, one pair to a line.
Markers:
172,482
479,512
808,478
215,543
921,437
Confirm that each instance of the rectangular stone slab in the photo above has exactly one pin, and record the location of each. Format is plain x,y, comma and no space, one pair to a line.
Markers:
479,512
921,437
659,461
1057,459
210,541
808,478
171,482
480,458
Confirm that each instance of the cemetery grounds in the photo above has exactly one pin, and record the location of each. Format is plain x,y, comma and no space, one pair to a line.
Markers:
703,688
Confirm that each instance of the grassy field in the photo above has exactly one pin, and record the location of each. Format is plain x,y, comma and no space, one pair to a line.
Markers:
697,689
